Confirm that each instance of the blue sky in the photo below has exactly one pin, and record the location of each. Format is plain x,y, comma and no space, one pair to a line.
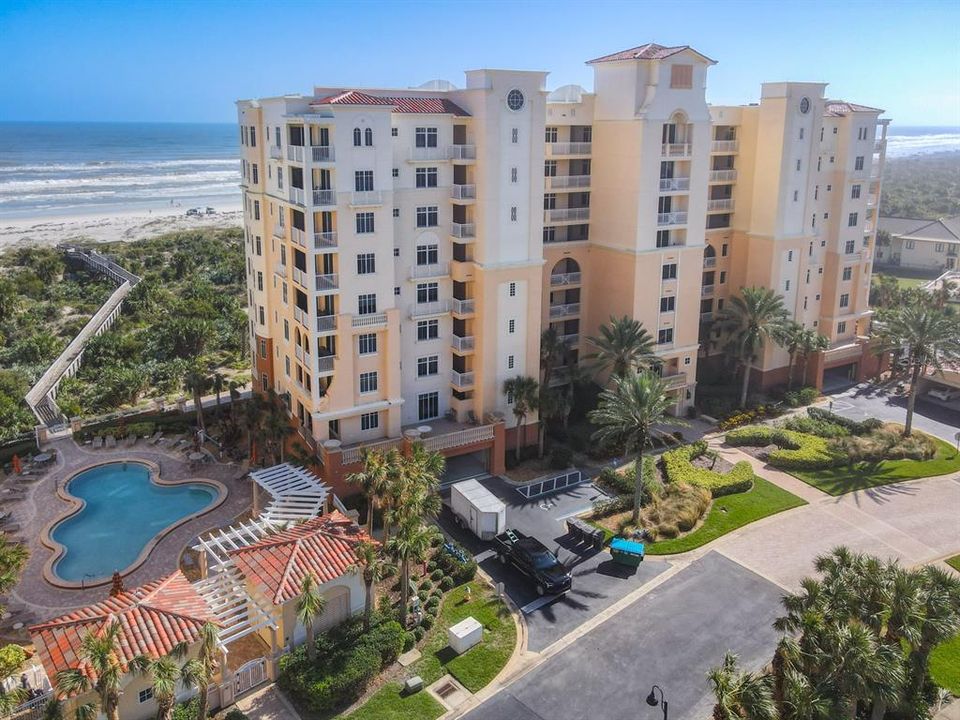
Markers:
188,61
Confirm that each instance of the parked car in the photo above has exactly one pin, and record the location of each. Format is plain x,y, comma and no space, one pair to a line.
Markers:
533,559
193,211
211,211
944,393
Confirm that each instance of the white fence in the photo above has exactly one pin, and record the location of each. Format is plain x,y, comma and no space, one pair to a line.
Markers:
554,483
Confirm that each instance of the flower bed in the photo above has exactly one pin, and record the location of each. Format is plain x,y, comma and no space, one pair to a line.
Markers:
679,468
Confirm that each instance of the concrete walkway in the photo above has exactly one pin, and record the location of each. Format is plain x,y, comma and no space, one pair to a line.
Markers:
267,704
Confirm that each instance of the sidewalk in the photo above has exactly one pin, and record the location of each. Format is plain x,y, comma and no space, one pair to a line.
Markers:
267,704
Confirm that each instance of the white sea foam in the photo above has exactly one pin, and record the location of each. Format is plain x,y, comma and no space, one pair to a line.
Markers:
165,180
905,145
97,167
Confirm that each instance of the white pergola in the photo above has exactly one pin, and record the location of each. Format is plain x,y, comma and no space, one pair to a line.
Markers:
238,613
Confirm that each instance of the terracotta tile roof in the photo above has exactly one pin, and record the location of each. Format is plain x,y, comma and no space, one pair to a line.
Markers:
417,104
839,108
153,618
324,546
650,51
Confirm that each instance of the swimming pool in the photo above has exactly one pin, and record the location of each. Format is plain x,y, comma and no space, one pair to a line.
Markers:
123,511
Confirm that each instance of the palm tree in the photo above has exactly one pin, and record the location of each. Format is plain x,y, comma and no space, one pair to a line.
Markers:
310,606
624,346
277,425
627,413
99,669
741,694
929,338
13,558
164,673
523,391
252,422
200,672
750,321
409,544
372,568
810,342
373,480
218,383
791,339
196,381
552,349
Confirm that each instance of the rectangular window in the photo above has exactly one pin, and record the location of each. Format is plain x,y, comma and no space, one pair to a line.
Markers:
844,300
147,693
513,213
550,168
396,172
723,250
852,220
786,286
663,238
426,137
366,263
253,139
667,304
429,365
841,327
426,177
428,292
681,77
256,209
855,192
370,421
723,276
368,382
669,271
847,273
550,135
512,289
256,174
428,329
367,304
512,326
363,180
798,166
394,132
428,406
549,234
427,255
858,163
849,247
513,175
427,216
514,136
367,343
364,223
938,247
665,336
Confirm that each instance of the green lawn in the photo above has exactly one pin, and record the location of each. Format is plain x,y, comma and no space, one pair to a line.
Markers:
840,480
475,669
945,665
954,562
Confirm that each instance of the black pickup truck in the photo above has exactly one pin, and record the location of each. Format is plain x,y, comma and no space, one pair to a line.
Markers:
531,557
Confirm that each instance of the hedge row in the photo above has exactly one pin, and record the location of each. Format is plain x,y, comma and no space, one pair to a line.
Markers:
856,427
795,451
679,468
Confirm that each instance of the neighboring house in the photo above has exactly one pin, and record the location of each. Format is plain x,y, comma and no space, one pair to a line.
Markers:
274,569
154,619
920,244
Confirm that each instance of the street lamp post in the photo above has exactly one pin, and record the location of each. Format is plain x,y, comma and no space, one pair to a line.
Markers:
652,699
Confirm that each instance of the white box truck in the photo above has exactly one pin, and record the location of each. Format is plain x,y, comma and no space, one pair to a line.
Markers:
477,508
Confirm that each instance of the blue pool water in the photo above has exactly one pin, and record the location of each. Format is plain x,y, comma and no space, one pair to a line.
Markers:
124,510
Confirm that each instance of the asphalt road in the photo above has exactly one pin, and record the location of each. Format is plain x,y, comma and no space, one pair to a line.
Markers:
672,636
868,400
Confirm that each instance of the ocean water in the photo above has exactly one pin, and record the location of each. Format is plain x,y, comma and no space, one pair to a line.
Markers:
906,140
60,169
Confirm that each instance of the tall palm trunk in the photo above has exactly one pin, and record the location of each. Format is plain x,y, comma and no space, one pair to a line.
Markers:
520,419
912,397
790,372
199,407
541,437
201,703
111,707
638,483
311,640
746,384
404,590
164,708
371,506
368,604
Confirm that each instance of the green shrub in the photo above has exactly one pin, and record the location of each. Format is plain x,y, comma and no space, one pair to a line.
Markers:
433,602
795,451
856,427
561,457
605,508
427,622
186,711
457,562
436,575
617,483
679,468
814,426
446,583
11,658
235,714
426,585
432,565
423,595
408,641
801,397
418,633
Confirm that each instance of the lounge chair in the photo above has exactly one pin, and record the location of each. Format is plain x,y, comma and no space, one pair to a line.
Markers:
131,440
157,436
111,441
97,442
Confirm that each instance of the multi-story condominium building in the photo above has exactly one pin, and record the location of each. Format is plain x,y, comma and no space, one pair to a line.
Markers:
406,248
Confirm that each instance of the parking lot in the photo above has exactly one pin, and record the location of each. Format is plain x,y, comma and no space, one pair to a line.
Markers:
597,581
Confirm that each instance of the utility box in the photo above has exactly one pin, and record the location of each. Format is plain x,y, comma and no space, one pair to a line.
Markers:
477,508
464,635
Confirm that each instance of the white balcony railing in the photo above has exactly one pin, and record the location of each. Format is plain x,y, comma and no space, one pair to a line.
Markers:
878,146
463,307
676,150
325,363
570,339
706,317
437,307
430,154
458,438
463,152
366,197
672,218
369,320
706,291
301,317
565,214
300,353
299,277
276,152
570,148
295,153
561,182
326,323
296,195
462,344
325,240
675,184
571,278
719,146
322,153
723,175
463,230
674,381
709,262
463,192
434,270
557,311
297,236
720,204
324,197
326,283
461,380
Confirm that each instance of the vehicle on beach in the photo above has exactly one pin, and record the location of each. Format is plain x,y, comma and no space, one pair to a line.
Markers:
533,559
211,211
194,212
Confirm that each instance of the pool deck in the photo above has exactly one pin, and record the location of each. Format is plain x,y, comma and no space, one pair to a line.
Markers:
42,506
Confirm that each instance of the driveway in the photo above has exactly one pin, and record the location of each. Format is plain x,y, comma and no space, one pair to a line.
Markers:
671,636
869,400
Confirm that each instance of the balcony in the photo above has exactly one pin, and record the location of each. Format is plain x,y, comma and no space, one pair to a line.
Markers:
878,146
324,197
676,184
325,241
709,262
327,283
325,365
299,277
463,192
366,198
570,339
295,153
301,354
301,317
297,196
370,320
720,205
867,228
437,307
568,182
461,380
706,291
433,270
672,218
463,152
722,176
463,231
675,381
706,317
326,323
566,215
322,153
463,307
675,150
565,310
871,201
429,154
569,148
724,146
276,152
462,345
297,236
560,279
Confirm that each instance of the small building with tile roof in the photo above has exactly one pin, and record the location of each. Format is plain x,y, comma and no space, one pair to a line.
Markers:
920,244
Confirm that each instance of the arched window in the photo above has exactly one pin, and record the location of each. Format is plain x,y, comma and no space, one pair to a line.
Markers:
368,137
709,251
356,137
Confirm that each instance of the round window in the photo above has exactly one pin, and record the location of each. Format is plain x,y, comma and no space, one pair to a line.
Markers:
804,105
515,100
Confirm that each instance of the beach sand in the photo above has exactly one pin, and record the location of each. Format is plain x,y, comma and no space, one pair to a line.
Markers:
132,225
